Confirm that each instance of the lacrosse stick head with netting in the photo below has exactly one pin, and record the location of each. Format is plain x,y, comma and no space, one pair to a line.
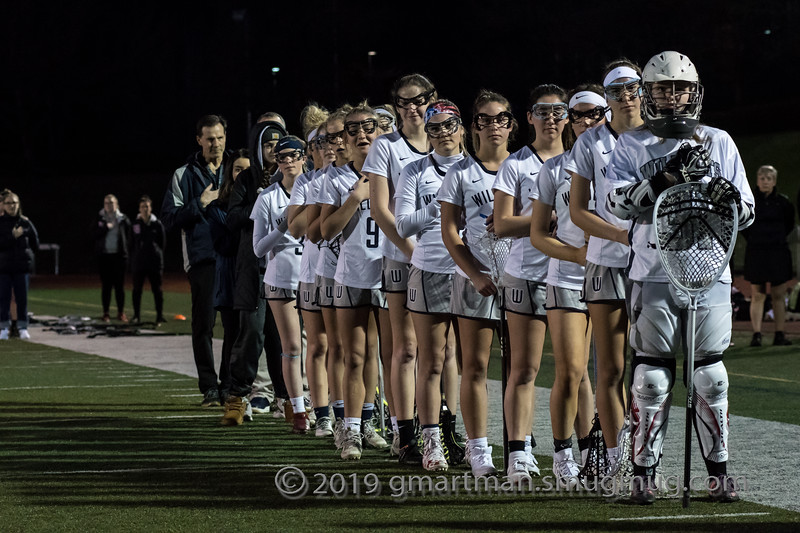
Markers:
694,236
497,250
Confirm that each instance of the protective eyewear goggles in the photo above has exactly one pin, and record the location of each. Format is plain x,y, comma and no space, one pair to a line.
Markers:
442,129
593,115
368,126
289,157
335,137
417,101
545,111
385,122
320,142
502,119
619,91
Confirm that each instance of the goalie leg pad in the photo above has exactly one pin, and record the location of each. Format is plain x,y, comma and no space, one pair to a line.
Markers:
651,399
711,411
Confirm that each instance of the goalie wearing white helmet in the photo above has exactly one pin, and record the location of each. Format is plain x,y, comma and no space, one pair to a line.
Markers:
674,148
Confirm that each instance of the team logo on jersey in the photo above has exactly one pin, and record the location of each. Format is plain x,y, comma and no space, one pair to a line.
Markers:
396,274
597,283
516,296
412,295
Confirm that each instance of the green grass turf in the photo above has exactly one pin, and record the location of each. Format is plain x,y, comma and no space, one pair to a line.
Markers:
96,444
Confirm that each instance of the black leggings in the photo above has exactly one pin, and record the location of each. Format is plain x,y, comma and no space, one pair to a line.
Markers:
112,275
155,277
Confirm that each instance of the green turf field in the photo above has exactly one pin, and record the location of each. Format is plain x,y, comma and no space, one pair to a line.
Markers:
94,444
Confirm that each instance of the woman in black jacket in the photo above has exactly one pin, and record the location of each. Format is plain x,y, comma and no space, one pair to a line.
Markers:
18,242
767,258
147,258
112,232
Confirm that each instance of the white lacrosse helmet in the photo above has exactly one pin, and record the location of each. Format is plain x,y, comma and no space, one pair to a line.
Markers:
668,78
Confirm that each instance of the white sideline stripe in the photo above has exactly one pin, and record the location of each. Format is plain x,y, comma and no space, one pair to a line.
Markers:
75,387
170,469
215,415
181,395
684,516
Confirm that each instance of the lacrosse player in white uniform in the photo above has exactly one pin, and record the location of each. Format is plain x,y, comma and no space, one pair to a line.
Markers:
467,193
387,156
346,209
417,212
525,271
571,399
317,338
283,252
605,281
675,148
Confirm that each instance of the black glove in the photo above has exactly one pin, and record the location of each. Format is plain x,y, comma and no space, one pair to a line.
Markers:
690,163
723,191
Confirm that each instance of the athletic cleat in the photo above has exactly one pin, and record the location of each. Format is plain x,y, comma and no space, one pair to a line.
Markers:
481,463
300,424
467,454
351,447
324,427
25,336
723,490
210,398
517,472
371,437
453,451
260,404
531,464
394,451
643,490
4,334
409,455
780,339
234,411
248,411
278,410
433,458
566,470
338,433
756,340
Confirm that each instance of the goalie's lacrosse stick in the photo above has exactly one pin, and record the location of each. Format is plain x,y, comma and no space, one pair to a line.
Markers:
695,239
497,249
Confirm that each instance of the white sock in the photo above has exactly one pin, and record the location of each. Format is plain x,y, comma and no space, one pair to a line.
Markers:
298,405
481,442
395,428
352,423
563,455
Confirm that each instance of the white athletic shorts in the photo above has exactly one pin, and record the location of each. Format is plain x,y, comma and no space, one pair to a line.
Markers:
276,293
469,303
324,288
394,275
603,284
352,297
567,299
659,320
524,297
428,292
307,297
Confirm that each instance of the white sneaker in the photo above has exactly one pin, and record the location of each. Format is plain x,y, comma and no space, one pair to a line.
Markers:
24,335
531,463
338,433
371,436
433,458
467,454
4,334
248,411
351,448
517,472
394,451
566,469
481,462
324,428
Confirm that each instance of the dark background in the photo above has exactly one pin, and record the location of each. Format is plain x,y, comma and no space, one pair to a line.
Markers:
103,98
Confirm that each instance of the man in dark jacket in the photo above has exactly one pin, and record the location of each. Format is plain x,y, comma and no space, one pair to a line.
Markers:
194,186
257,330
147,258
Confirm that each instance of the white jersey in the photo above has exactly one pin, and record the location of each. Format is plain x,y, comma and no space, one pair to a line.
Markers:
283,251
326,259
517,177
310,249
417,211
590,158
552,189
469,185
639,156
359,262
387,156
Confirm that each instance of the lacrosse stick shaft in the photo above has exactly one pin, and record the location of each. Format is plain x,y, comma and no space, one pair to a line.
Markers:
381,397
687,455
504,381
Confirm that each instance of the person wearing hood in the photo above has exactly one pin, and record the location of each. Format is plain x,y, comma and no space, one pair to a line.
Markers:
147,258
112,230
257,329
192,188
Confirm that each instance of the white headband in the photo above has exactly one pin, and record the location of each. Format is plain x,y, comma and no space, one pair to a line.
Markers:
312,134
587,97
620,72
